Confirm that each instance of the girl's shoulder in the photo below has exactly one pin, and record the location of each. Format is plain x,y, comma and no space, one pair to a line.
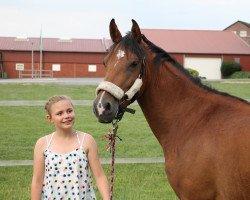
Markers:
42,141
85,136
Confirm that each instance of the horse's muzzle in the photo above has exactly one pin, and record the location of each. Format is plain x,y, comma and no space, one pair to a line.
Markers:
105,107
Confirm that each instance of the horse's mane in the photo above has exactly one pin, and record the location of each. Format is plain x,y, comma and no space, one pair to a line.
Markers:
128,42
164,56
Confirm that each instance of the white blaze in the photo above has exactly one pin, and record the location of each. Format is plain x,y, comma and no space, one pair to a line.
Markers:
120,54
100,107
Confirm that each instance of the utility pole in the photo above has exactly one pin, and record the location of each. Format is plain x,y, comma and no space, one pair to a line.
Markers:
32,60
41,53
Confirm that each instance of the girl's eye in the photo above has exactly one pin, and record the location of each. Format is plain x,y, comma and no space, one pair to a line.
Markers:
70,111
134,64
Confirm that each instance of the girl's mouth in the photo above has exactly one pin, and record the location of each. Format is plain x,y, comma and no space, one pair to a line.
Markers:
67,122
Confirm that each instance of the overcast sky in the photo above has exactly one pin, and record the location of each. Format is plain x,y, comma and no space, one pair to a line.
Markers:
90,19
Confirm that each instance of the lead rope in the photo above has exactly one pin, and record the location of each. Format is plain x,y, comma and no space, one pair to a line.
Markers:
111,136
113,139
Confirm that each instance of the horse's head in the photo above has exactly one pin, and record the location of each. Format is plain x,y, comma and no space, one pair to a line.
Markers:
124,68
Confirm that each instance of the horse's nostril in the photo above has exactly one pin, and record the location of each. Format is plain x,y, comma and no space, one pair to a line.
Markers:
107,106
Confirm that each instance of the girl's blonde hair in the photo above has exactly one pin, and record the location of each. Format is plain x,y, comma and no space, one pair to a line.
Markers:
54,99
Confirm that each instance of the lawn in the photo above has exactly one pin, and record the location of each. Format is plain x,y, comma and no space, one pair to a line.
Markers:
42,91
21,126
241,90
18,134
132,181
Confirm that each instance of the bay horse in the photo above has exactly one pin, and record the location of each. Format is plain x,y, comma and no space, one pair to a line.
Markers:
204,133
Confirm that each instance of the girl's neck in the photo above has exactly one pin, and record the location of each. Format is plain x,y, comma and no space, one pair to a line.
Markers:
64,133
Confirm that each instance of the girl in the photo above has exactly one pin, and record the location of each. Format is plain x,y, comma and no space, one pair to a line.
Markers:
62,158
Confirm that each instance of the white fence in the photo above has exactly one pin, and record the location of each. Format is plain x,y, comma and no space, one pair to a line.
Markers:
35,74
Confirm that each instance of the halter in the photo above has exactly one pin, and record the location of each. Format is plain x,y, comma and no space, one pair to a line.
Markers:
118,93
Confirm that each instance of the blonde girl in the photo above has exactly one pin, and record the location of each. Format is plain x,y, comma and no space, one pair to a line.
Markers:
62,159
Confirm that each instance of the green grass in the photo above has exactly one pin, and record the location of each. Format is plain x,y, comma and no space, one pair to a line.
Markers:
27,91
132,181
22,126
241,90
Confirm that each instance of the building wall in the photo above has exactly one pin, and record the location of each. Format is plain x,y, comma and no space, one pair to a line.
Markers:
75,65
244,60
71,64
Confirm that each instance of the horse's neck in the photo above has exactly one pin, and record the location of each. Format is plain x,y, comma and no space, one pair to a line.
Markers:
168,99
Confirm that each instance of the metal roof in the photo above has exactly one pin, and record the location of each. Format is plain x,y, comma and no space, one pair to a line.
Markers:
172,41
197,41
54,44
244,23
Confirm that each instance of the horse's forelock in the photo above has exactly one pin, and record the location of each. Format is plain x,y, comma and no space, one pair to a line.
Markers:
129,44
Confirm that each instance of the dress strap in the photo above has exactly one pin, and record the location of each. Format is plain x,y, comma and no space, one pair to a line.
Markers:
48,141
78,139
81,144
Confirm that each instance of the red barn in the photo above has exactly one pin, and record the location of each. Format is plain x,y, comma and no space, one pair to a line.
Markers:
201,50
29,57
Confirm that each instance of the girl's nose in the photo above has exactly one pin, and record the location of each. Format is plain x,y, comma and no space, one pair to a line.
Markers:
66,115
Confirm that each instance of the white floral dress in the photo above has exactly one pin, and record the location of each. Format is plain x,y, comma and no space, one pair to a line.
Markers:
67,176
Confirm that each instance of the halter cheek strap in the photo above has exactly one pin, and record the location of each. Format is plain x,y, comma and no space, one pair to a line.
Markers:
134,89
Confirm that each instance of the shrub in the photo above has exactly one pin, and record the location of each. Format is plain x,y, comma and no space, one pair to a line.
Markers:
228,68
238,75
193,72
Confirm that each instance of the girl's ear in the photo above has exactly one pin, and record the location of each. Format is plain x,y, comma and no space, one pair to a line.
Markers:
49,118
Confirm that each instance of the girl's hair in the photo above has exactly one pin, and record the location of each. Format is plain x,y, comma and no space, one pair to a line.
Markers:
54,99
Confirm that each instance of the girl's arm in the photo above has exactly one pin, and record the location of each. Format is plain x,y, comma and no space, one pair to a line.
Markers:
96,168
38,170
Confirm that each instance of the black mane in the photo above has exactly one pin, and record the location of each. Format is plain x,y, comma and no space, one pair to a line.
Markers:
164,56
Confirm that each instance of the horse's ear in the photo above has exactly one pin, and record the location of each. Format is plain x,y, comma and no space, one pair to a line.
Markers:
114,32
136,32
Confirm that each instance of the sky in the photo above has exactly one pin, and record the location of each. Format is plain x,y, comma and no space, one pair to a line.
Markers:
89,19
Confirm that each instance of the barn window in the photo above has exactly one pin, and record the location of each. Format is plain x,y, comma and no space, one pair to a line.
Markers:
243,34
21,39
237,60
65,40
92,68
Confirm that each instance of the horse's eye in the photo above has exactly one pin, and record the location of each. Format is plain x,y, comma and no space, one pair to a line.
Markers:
134,64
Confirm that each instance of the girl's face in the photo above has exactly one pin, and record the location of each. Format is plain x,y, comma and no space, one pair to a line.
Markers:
62,114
